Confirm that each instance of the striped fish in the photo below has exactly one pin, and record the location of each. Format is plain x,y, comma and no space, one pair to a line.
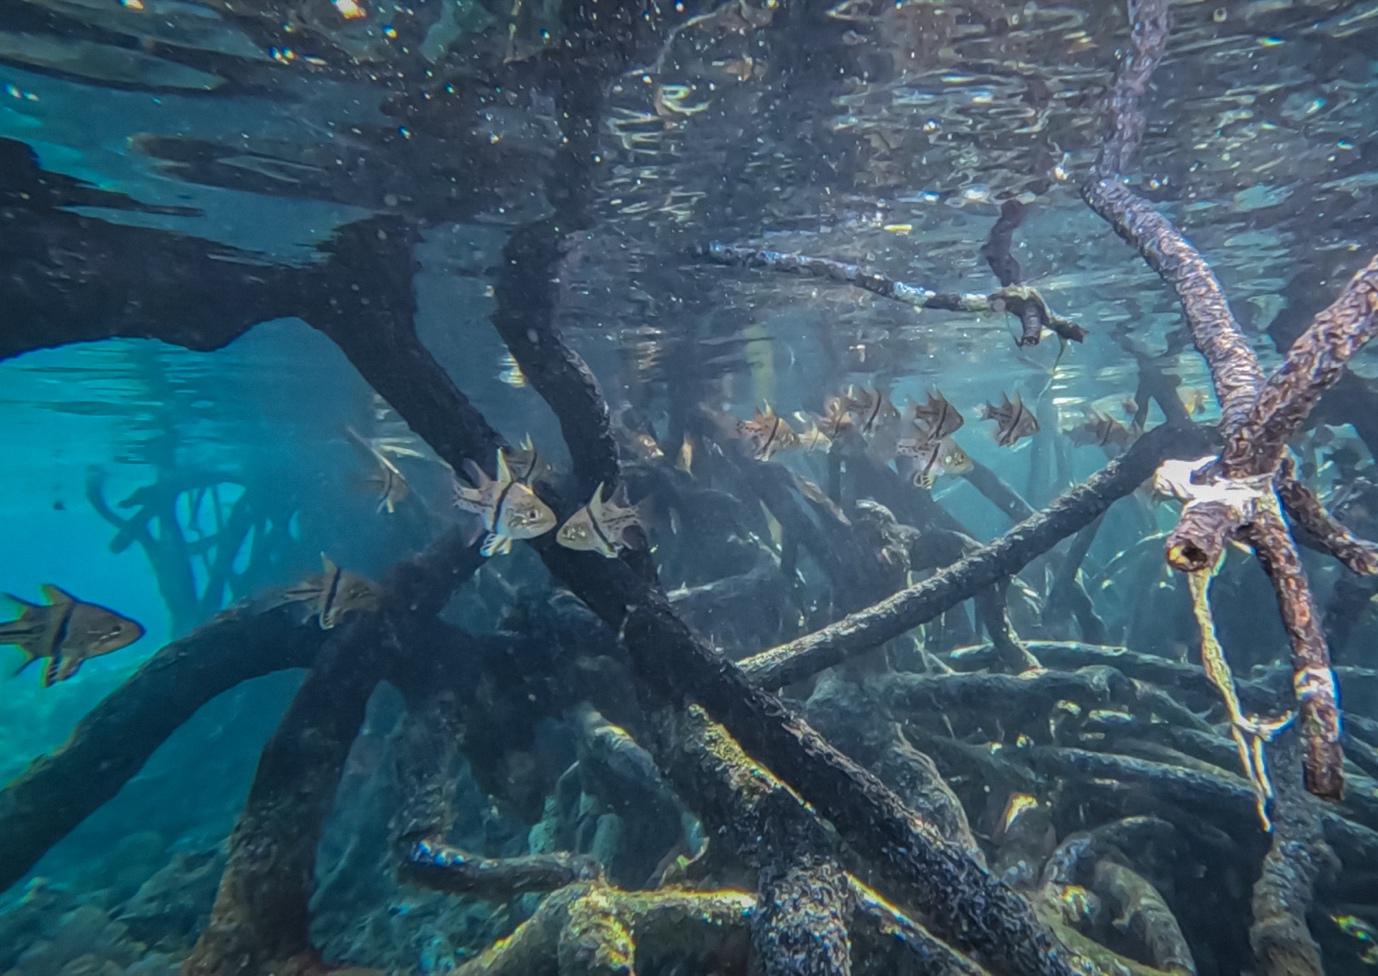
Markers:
67,631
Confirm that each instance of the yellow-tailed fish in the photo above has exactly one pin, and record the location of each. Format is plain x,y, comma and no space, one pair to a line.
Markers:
600,525
934,458
1014,421
510,509
769,433
67,631
937,418
334,593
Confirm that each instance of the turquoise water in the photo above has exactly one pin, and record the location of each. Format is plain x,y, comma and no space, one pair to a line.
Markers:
251,253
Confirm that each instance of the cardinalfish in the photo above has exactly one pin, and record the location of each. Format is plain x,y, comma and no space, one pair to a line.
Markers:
836,419
600,525
525,462
811,436
509,508
643,446
387,478
635,439
872,411
67,631
1101,430
684,459
769,433
934,458
877,421
1014,421
333,593
937,418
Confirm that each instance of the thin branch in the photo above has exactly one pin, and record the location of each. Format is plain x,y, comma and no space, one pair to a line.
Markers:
998,254
907,609
1018,299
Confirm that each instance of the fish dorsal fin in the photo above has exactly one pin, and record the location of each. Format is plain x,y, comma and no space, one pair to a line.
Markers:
56,595
20,601
474,473
327,565
504,472
596,504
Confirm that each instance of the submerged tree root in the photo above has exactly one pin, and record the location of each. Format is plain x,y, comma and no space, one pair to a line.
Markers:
1257,416
262,909
830,815
907,609
1296,861
114,740
593,929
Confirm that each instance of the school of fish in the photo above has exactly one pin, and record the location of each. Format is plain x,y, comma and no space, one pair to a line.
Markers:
68,631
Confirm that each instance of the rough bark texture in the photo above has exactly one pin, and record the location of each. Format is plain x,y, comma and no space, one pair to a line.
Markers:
1296,861
262,908
1314,363
1234,370
1312,679
1256,418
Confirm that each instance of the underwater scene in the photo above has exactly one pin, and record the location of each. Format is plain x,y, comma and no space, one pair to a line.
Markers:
688,487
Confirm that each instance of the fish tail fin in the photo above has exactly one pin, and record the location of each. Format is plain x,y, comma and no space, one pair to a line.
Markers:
16,632
22,632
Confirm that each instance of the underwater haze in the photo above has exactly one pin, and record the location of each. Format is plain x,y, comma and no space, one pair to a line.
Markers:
700,488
